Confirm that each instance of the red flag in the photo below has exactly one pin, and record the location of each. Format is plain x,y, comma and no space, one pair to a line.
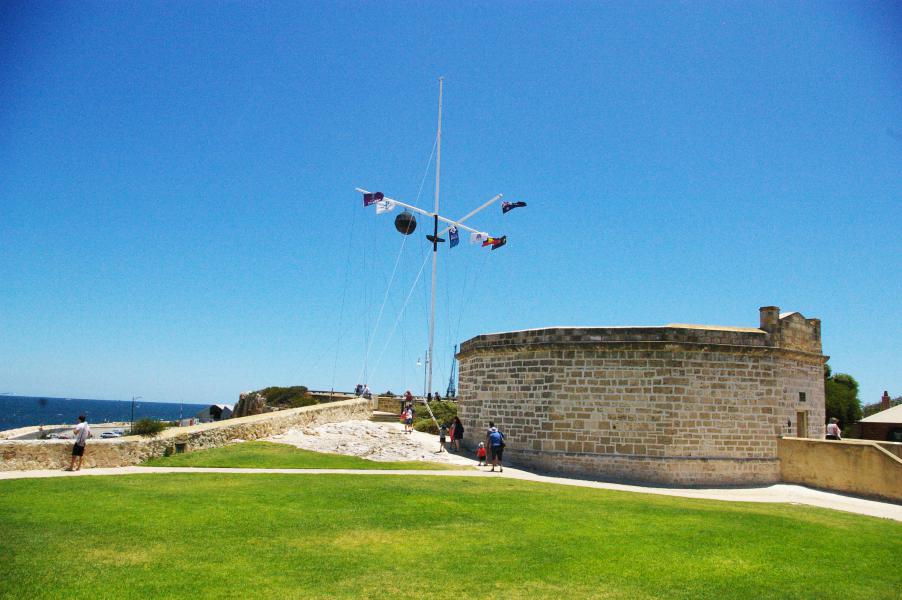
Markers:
372,198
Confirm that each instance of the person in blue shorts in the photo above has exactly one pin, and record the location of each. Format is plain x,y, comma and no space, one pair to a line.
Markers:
495,441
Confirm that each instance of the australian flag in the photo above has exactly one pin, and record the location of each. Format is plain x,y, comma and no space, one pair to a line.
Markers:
509,206
372,198
452,235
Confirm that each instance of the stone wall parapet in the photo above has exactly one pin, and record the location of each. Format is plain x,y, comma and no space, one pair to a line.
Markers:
858,467
579,336
118,452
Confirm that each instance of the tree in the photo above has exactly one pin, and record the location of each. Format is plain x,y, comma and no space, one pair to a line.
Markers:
841,395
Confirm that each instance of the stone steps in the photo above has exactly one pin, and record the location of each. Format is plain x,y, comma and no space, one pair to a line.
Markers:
384,417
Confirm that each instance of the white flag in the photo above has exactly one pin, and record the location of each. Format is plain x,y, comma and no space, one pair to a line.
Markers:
384,206
478,238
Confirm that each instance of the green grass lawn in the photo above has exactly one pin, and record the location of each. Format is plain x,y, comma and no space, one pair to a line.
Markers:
346,536
270,455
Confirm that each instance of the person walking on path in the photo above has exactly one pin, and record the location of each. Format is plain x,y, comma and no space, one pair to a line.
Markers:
408,418
442,432
495,442
457,429
833,430
407,399
82,433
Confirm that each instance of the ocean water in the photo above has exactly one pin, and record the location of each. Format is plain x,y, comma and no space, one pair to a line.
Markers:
24,411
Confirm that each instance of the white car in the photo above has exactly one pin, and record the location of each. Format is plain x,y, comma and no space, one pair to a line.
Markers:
110,434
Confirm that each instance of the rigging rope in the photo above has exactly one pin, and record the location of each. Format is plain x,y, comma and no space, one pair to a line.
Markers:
382,308
341,311
401,312
369,339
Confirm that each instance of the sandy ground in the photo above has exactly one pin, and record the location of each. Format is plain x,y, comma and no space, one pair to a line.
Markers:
382,442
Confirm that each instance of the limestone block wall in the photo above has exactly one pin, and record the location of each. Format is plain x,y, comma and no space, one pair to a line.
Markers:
853,466
55,454
675,405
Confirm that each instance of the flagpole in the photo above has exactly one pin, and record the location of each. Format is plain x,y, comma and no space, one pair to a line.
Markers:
438,171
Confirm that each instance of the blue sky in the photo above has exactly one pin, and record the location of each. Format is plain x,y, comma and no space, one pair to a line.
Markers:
178,220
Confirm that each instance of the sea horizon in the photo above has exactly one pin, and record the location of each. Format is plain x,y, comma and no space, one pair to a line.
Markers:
28,411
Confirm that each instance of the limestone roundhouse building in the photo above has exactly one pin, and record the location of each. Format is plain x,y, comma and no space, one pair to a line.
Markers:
678,404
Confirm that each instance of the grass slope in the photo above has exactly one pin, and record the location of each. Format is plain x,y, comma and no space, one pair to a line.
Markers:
345,536
270,455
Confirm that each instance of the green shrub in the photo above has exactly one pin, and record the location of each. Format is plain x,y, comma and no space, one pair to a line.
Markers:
444,411
287,397
147,427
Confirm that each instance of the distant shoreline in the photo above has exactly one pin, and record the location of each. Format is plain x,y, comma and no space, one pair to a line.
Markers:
32,411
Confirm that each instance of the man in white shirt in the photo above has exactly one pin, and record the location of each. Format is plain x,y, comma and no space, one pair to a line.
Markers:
82,433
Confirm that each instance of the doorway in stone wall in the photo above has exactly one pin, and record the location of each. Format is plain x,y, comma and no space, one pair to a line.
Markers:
802,424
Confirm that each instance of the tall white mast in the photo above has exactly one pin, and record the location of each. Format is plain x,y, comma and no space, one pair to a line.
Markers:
438,172
371,198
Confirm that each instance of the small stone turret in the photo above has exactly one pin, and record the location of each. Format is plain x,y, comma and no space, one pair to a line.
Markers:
790,330
770,318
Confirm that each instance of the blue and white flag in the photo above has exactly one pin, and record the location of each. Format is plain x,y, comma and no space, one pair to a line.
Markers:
452,235
384,206
478,238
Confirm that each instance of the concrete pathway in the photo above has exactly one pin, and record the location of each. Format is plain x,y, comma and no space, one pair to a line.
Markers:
778,493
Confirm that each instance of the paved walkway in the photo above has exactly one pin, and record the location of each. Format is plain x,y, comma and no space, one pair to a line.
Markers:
779,493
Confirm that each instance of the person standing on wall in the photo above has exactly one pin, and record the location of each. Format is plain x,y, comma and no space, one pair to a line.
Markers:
82,433
833,430
495,441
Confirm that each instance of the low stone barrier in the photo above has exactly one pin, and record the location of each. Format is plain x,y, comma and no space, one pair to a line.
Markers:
389,404
858,467
18,455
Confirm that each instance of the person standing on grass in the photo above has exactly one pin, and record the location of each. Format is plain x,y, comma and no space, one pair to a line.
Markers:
82,433
833,430
495,442
457,433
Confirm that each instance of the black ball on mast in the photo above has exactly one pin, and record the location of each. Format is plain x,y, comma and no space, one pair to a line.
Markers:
406,223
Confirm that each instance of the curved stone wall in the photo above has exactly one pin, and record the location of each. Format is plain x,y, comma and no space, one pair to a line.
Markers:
679,404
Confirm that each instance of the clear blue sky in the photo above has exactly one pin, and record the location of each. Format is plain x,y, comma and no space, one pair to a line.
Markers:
178,220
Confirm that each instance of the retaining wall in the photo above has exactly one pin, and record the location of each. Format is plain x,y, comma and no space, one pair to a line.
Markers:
56,454
853,466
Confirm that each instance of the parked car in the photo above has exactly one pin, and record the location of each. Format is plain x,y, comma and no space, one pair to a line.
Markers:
110,434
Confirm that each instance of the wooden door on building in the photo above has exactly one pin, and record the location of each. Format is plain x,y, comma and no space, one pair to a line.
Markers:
802,424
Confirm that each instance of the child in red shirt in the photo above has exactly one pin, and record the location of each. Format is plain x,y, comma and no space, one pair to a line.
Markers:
480,454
